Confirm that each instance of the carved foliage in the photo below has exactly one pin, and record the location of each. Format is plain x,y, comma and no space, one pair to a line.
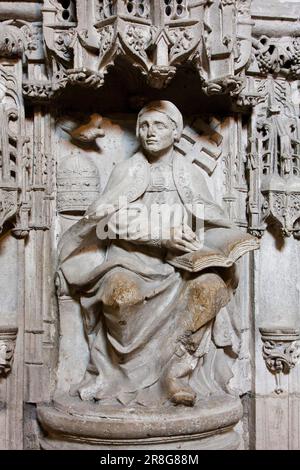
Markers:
279,57
281,351
182,40
8,205
104,9
19,39
11,43
106,36
38,91
63,41
8,337
138,39
32,37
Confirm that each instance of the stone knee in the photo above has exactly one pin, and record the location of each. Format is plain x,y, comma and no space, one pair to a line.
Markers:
207,294
121,289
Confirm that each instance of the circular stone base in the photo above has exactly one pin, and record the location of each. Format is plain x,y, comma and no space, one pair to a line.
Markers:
69,423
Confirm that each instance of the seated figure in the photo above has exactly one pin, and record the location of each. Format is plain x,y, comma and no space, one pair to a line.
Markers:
147,322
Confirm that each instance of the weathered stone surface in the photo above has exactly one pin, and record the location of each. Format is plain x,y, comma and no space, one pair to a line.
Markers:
74,76
209,425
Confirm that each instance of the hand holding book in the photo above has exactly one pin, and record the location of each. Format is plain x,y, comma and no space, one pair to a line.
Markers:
222,248
182,239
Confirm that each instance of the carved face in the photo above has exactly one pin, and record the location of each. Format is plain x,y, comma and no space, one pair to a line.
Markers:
157,133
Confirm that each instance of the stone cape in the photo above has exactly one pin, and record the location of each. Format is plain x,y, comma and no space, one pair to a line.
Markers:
130,179
131,348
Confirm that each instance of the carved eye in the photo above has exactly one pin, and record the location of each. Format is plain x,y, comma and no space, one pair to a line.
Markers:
160,125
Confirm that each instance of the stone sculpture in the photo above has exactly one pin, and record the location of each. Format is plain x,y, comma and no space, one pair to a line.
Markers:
72,75
148,323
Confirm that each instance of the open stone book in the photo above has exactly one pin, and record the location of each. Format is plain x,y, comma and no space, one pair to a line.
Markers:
222,248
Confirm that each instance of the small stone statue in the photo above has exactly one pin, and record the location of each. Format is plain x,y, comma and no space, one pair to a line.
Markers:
148,321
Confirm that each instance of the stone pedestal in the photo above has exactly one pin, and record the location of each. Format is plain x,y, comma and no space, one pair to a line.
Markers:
69,423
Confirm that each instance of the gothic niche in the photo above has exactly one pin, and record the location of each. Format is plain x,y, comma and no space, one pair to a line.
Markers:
146,270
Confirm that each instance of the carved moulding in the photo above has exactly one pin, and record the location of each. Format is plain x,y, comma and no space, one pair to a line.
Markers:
155,37
281,351
8,336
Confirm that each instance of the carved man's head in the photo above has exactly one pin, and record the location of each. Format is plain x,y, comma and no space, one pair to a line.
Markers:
159,125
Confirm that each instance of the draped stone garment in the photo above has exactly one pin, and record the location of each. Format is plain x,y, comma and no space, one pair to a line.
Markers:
133,342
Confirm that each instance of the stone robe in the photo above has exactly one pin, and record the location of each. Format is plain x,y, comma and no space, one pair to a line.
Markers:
139,311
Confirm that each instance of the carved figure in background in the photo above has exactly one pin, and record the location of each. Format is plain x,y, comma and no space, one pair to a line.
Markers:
148,322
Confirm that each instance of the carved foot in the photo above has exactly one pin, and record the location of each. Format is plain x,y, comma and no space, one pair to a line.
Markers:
87,390
180,394
176,378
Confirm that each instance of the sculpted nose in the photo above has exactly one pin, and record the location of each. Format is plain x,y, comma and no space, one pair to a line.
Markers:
150,131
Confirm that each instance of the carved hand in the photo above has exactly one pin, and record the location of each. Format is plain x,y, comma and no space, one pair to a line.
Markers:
183,239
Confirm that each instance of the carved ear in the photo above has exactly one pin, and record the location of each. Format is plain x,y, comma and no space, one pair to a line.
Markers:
176,135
